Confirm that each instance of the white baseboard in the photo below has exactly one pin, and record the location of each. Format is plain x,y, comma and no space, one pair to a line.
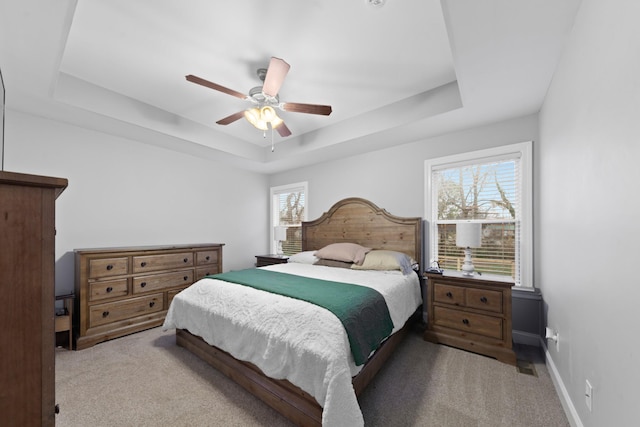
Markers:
561,390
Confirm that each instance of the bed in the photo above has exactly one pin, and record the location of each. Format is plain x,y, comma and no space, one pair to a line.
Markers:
293,369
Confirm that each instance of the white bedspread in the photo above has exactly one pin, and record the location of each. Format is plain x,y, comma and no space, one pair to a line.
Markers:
288,338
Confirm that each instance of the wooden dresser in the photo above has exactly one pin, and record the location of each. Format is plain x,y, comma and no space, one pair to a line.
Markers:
124,290
27,298
471,313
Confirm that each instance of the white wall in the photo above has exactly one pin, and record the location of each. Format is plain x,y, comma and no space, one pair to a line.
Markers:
587,213
393,178
126,193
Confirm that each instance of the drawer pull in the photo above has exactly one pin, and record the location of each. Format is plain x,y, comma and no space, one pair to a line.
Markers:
483,299
110,267
186,260
449,295
465,321
143,264
143,284
105,313
109,289
152,303
208,258
186,278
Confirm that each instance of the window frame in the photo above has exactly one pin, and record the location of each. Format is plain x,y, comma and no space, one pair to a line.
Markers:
523,151
274,209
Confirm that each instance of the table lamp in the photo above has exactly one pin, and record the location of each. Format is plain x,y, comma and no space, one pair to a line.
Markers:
279,234
468,235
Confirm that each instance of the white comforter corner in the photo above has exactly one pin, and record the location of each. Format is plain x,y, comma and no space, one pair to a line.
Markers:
288,338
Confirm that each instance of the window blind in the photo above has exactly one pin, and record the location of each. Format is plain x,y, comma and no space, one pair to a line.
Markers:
289,206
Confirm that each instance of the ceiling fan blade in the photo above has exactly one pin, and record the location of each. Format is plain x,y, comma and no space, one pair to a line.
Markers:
232,118
283,130
276,73
296,107
214,86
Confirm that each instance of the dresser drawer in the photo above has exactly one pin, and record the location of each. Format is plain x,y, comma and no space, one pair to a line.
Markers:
107,267
171,294
484,299
207,257
206,271
159,282
478,324
448,294
101,314
162,262
108,289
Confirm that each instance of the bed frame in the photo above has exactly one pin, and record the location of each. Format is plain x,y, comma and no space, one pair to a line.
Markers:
350,220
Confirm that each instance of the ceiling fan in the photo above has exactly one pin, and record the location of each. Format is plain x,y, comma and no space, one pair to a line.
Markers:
264,99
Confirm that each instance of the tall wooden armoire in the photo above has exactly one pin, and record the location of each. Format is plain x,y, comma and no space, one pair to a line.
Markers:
27,298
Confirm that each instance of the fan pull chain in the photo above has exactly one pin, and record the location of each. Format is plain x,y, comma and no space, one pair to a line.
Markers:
272,147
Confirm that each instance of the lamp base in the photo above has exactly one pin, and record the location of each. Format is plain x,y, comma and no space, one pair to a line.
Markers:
467,267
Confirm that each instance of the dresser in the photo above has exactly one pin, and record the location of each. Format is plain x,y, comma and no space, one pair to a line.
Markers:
120,291
27,298
471,313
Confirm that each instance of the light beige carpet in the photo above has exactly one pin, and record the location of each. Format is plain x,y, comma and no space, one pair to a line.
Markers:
144,379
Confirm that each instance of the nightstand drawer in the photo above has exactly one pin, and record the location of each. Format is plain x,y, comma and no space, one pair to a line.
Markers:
478,324
448,294
484,299
159,282
113,311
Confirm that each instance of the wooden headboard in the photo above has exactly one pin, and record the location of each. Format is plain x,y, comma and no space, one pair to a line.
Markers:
359,221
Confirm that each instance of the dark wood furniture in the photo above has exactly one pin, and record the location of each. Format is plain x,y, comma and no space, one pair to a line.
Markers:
270,259
350,220
471,313
27,292
124,290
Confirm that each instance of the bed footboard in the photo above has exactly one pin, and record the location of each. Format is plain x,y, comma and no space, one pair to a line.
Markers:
289,400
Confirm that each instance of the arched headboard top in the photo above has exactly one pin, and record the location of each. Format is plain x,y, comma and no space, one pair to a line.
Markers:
360,221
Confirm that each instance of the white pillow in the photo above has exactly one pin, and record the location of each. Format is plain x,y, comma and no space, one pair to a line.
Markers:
305,257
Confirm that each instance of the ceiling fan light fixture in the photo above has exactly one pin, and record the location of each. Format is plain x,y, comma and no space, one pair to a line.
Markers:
254,117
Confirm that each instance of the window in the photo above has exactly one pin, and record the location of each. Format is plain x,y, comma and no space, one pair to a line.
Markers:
490,187
289,209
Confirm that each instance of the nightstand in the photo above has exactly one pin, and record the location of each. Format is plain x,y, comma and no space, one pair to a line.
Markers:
471,313
262,260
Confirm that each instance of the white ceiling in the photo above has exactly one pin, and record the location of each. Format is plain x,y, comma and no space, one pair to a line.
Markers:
395,74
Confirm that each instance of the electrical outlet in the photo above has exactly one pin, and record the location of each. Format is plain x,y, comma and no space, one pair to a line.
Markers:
554,336
588,394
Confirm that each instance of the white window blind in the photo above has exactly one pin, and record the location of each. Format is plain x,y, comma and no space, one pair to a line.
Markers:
488,188
288,209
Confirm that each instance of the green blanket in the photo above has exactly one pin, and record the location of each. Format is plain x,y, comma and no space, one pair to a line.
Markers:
362,310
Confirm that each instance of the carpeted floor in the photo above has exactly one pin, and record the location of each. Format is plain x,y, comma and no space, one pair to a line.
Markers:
144,379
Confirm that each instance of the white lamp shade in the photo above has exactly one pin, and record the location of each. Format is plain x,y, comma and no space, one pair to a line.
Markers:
468,234
279,233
